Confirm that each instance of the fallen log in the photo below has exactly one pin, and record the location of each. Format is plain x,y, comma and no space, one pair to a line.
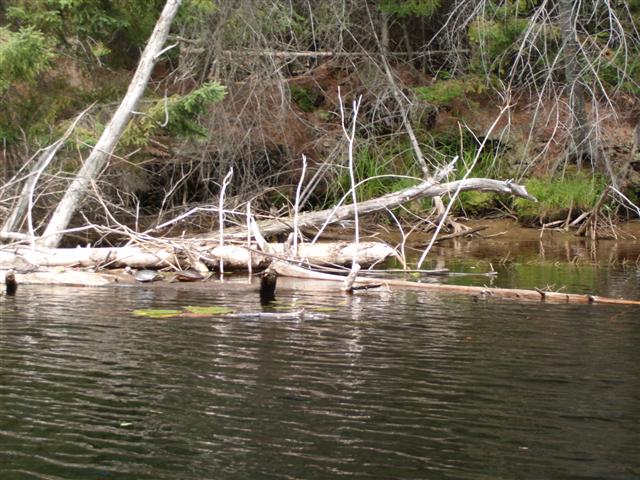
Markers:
290,275
287,270
64,277
182,255
426,189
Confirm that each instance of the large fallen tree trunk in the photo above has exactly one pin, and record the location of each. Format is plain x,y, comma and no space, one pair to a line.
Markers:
183,255
426,189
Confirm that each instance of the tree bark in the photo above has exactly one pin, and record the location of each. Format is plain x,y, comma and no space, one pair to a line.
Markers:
581,143
109,138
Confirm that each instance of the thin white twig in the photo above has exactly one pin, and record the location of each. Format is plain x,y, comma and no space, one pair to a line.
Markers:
351,135
223,188
250,261
296,206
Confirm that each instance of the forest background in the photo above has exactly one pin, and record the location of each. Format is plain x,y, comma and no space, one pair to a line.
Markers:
545,92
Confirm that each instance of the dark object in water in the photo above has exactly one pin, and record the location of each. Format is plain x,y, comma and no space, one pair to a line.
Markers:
10,282
268,281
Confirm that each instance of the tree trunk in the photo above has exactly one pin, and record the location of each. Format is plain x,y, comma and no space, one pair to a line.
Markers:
581,142
15,219
426,189
152,256
107,142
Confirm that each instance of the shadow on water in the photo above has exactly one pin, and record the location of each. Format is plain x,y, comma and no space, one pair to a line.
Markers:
381,384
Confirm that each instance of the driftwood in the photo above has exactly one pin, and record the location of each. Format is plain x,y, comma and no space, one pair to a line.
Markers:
149,256
292,271
70,278
284,274
426,189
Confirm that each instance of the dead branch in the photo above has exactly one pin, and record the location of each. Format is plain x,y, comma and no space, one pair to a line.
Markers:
426,189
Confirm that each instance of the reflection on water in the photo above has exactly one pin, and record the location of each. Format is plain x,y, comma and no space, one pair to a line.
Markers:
557,261
382,385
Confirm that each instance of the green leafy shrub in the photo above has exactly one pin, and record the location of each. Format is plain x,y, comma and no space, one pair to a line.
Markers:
622,71
177,115
116,26
495,36
24,56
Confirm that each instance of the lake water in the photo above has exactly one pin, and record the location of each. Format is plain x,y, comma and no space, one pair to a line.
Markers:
381,385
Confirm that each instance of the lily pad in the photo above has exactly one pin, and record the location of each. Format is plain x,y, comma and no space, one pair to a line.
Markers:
156,313
214,310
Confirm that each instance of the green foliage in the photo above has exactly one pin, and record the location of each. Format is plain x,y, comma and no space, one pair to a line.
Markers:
490,163
555,196
445,92
177,116
24,56
278,21
496,35
117,25
281,18
476,202
382,167
184,111
422,8
305,98
193,13
623,71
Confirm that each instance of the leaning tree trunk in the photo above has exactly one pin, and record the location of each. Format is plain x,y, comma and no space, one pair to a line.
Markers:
581,144
107,142
25,199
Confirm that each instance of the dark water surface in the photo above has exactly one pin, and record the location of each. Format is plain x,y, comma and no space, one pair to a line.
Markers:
386,386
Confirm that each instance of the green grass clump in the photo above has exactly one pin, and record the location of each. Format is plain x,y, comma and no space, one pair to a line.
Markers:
385,170
445,92
578,192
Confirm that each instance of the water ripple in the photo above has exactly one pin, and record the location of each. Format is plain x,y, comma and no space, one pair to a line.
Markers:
402,386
